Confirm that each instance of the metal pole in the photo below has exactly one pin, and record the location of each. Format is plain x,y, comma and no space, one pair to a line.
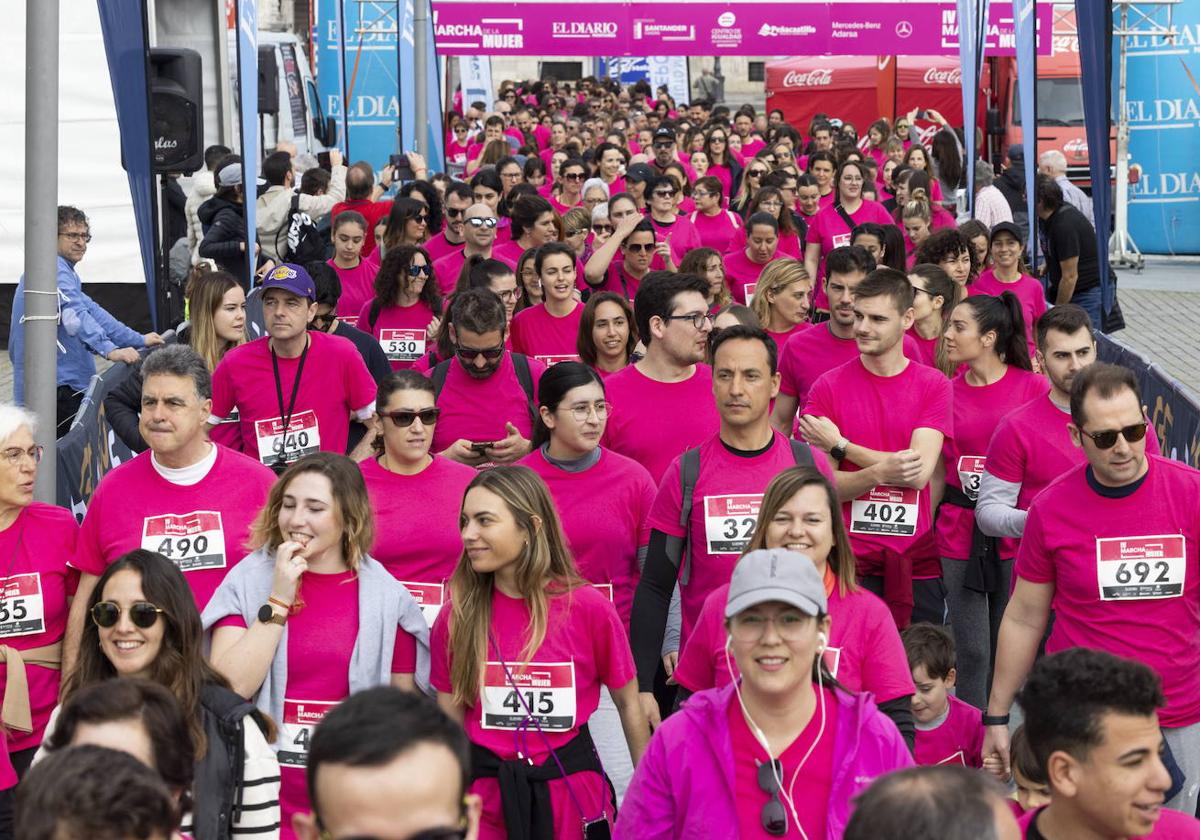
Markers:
1122,249
41,232
421,75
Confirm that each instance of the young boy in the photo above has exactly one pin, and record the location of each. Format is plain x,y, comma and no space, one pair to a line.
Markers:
949,731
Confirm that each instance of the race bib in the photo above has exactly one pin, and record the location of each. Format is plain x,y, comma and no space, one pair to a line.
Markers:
970,473
546,688
430,596
958,758
885,509
405,345
274,447
551,361
349,320
605,589
832,658
841,239
1141,568
729,522
300,719
749,292
192,541
22,611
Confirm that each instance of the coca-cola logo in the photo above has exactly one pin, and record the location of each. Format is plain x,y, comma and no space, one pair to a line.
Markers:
817,77
162,143
934,76
1075,146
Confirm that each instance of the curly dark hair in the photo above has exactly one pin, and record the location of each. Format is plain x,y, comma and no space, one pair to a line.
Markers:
392,279
948,242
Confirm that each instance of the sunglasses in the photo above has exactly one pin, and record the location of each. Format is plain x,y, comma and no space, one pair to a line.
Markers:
663,145
573,176
640,247
756,173
469,354
664,193
773,817
403,418
1108,438
455,212
576,231
481,221
418,270
602,228
423,219
143,614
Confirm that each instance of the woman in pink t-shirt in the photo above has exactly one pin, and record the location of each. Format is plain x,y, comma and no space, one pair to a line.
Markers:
356,274
1009,273
770,200
607,333
714,225
520,658
936,296
707,264
783,299
405,312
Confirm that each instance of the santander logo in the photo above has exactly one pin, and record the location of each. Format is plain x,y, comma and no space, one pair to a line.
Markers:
933,76
818,77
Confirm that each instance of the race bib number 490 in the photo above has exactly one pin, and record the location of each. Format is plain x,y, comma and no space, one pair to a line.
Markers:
402,345
547,689
885,509
192,541
1141,568
303,437
22,611
300,719
729,522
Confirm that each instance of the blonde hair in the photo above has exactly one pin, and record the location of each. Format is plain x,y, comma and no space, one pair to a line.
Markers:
917,207
544,564
777,276
205,295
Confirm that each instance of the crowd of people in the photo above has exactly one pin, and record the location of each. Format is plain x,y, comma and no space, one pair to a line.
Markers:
656,472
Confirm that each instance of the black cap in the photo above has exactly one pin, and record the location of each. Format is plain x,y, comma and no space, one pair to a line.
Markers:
664,133
639,173
1010,228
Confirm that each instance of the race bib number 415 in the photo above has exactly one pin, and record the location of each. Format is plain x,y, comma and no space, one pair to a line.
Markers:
1141,568
22,611
547,689
885,509
729,522
300,719
192,541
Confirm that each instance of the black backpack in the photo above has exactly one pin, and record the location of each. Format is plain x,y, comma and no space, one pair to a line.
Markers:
302,241
219,774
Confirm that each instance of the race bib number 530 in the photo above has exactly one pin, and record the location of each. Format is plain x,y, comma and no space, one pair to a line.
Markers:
1137,568
547,689
885,509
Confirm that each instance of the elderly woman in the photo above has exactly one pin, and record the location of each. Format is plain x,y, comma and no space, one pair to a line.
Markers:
991,207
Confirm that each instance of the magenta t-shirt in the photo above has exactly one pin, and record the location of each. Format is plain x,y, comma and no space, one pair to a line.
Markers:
637,428
202,527
813,352
585,648
789,244
358,286
38,548
881,413
604,512
926,347
477,409
717,231
438,247
782,338
416,525
977,411
1126,574
959,739
334,384
815,783
724,515
619,281
546,337
1027,289
402,331
681,235
1171,825
864,651
741,271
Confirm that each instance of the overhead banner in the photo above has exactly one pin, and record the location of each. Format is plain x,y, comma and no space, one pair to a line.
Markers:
655,70
482,27
1095,23
247,81
125,49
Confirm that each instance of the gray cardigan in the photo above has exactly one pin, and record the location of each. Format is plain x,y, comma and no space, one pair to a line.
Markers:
383,604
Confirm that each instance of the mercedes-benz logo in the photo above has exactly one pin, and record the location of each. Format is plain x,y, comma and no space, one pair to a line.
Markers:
904,29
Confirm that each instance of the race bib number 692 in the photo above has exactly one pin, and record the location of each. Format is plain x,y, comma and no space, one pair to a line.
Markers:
1137,568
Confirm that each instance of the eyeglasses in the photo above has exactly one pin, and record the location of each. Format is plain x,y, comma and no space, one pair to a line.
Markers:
575,231
455,212
573,176
602,228
702,194
142,613
469,354
403,418
581,412
459,128
664,193
423,219
640,247
510,294
1108,438
716,140
511,176
665,145
77,237
698,319
417,270
14,454
481,221
321,322
774,816
750,626
755,173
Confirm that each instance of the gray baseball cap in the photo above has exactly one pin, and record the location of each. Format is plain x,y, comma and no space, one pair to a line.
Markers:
775,574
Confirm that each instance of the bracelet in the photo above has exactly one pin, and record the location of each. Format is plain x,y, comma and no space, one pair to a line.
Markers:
283,606
995,720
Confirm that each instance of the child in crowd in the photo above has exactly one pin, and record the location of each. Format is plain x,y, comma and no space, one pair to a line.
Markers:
949,731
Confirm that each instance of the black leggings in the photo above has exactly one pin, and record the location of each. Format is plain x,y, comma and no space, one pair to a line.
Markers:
20,762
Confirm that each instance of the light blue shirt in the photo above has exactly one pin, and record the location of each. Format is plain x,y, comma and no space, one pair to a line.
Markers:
84,329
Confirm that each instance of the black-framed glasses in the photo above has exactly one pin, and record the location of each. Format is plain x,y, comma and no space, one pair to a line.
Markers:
143,614
482,221
773,816
698,319
418,270
470,354
422,219
321,322
510,294
1107,439
665,144
403,418
455,212
14,454
755,173
77,237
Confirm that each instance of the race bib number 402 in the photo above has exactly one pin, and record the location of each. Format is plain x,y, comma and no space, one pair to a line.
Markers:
303,437
22,611
885,509
192,541
547,689
729,522
1141,568
406,345
300,719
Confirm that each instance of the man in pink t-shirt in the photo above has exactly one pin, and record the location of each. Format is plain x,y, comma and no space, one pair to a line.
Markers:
1113,545
479,234
884,418
458,198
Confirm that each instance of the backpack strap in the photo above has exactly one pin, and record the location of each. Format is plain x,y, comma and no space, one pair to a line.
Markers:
802,453
841,211
689,474
525,378
438,377
286,226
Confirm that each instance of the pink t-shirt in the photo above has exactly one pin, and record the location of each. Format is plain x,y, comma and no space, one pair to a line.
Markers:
477,409
724,515
1126,574
722,174
716,231
881,413
829,230
563,208
926,347
38,547
402,332
202,527
439,246
320,640
813,352
782,338
741,271
546,337
416,525
585,648
638,426
680,233
958,740
1027,289
604,512
789,244
620,281
448,268
864,651
977,411
1171,825
812,789
334,384
358,286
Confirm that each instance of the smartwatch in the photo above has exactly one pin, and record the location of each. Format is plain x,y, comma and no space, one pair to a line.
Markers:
995,720
839,449
267,615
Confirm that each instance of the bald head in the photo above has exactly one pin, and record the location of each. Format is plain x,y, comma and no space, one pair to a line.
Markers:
479,237
480,211
360,178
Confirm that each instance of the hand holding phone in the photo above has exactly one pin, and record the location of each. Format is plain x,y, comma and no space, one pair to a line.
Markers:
481,447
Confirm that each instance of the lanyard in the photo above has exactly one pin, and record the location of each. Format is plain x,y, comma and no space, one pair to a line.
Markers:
286,415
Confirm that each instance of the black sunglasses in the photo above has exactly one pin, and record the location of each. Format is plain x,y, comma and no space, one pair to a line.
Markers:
774,815
664,193
415,270
142,613
602,228
1108,438
640,247
455,212
573,176
404,418
469,354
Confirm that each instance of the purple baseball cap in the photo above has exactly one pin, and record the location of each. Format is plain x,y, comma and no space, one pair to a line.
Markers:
291,278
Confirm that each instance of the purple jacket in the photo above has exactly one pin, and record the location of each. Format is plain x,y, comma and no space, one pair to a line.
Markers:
684,786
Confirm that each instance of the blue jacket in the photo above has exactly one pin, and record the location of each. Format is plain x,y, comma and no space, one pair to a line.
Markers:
84,329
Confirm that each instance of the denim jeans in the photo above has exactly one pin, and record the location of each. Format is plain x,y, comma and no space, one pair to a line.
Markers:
1091,302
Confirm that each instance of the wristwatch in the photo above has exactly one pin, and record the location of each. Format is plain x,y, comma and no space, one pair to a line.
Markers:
267,615
995,720
839,449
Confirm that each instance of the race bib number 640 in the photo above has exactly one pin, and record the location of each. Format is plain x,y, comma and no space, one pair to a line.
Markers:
1137,568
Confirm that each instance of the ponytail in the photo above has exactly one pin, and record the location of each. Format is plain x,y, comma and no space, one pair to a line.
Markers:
917,206
1002,315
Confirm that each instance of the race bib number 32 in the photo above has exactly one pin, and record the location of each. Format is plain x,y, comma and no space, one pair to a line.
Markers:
729,522
303,437
22,611
192,541
300,719
547,689
885,509
1137,568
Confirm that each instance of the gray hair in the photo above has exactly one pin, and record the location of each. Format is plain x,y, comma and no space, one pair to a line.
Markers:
595,182
985,174
1054,159
13,418
179,360
600,211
